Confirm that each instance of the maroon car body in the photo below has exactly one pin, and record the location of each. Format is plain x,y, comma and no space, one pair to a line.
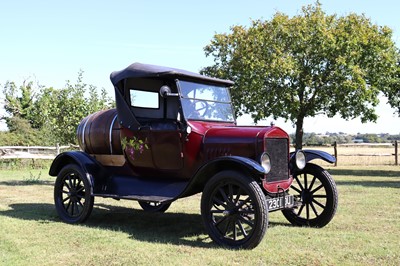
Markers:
173,134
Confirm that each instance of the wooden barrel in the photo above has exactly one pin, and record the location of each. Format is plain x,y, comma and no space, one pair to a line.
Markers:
99,133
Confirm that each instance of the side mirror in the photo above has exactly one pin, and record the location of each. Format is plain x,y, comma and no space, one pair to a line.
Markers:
165,92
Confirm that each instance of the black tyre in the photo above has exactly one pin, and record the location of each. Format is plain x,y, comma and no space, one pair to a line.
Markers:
234,210
318,192
72,195
154,206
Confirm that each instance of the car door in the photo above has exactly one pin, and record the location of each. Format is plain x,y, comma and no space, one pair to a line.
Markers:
157,143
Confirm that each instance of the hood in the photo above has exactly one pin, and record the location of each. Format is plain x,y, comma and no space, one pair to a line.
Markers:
246,141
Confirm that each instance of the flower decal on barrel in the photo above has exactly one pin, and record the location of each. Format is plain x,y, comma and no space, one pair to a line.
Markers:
134,145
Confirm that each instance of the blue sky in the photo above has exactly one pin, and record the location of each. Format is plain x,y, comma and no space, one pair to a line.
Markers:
50,41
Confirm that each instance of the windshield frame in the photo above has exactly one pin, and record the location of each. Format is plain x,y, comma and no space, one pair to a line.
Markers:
183,98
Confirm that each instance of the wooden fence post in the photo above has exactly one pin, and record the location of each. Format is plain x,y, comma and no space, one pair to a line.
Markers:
335,151
57,148
396,160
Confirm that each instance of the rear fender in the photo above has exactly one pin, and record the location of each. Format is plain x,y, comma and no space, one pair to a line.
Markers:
87,163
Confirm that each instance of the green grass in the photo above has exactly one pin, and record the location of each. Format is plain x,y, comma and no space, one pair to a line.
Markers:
365,230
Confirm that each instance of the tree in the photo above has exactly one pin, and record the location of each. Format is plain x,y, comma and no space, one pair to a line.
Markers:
21,133
72,106
60,111
305,65
23,119
51,114
19,102
393,93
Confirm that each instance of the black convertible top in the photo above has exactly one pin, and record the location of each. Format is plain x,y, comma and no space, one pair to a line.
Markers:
138,70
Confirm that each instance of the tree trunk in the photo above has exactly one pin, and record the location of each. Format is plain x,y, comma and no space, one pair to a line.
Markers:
299,133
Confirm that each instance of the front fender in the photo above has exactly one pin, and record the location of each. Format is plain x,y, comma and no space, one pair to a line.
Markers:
235,162
208,170
316,154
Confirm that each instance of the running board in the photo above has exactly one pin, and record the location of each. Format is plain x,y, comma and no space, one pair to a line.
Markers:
142,189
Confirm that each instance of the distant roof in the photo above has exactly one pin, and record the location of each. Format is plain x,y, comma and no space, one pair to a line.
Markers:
138,70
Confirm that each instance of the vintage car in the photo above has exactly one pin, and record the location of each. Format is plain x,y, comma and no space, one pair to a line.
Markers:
173,134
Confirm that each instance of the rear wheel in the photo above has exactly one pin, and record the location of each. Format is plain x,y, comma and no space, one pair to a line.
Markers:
234,210
154,206
72,194
317,191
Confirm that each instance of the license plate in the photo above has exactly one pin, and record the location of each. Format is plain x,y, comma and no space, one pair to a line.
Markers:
280,203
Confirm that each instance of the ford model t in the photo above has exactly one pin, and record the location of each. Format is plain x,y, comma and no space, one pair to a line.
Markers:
173,134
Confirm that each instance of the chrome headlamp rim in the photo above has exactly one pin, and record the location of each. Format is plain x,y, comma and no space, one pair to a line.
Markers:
265,161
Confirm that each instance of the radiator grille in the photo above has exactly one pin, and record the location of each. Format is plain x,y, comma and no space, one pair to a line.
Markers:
278,151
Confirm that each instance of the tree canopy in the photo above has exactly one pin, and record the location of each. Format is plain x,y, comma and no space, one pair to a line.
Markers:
38,115
305,65
393,93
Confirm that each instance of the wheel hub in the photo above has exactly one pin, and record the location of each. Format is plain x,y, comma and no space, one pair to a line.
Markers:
231,210
73,194
306,196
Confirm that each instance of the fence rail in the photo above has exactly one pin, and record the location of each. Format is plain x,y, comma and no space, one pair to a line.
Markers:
32,152
367,150
346,154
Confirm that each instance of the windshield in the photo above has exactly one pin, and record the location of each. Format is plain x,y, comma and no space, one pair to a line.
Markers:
206,102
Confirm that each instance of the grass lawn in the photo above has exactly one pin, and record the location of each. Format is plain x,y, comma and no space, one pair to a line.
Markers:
365,230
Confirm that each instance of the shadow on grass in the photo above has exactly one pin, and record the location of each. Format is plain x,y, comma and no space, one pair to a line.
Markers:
364,172
170,228
27,183
370,183
392,178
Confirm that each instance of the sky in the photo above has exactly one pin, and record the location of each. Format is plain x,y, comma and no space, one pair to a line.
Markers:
49,42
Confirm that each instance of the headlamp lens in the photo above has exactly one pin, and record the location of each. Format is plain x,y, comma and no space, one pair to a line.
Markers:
300,160
266,162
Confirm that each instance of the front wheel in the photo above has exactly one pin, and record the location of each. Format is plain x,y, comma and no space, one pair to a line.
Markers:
154,206
72,194
318,193
234,210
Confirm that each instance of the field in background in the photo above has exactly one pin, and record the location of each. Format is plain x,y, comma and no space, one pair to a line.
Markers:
364,231
351,155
